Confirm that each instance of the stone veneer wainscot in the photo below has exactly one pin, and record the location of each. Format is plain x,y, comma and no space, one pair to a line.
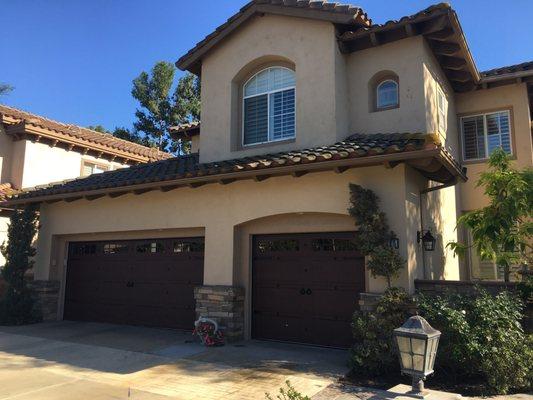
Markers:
225,305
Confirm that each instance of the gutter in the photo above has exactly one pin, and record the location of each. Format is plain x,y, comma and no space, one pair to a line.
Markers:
503,77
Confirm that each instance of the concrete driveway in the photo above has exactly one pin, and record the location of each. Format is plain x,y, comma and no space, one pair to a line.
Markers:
75,360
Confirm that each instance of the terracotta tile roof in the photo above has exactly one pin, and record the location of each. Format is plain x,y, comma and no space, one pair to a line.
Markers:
91,139
424,14
510,69
186,130
344,14
185,170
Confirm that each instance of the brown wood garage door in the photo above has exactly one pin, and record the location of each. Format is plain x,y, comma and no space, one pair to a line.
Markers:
138,282
306,287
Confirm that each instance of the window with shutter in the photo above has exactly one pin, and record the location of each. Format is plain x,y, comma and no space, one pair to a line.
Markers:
89,168
484,133
442,105
269,106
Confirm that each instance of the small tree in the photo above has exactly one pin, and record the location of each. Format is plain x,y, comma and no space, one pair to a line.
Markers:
501,232
160,110
374,234
18,305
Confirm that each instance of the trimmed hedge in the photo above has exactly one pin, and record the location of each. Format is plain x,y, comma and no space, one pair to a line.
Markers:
482,338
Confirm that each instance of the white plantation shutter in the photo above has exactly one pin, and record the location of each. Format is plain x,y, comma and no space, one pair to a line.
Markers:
269,106
87,169
498,131
282,115
256,119
482,134
473,138
442,104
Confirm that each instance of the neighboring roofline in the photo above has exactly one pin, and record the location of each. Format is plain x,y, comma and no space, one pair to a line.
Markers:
431,159
185,131
339,14
22,125
512,75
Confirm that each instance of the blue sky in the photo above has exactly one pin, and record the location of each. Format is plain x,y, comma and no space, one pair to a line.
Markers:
74,60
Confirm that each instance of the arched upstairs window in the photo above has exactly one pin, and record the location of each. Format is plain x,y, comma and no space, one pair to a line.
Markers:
269,102
387,94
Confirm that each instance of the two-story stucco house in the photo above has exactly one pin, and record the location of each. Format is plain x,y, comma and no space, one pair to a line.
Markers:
299,99
35,151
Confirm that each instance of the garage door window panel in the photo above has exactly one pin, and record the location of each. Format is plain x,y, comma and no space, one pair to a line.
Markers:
115,248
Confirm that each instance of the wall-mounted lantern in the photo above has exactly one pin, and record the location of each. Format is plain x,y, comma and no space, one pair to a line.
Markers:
427,239
417,344
394,242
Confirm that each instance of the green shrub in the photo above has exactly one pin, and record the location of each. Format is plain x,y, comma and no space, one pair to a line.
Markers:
373,352
288,394
17,305
374,235
481,337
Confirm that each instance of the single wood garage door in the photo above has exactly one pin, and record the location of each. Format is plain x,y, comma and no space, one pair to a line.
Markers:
306,287
138,282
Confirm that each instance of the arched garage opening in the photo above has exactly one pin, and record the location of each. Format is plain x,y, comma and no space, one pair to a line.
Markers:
302,276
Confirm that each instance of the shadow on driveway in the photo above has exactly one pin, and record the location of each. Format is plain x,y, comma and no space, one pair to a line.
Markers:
126,349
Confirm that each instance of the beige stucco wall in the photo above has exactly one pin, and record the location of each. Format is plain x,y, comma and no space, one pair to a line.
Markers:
6,145
44,164
195,144
404,58
513,97
310,46
17,158
230,214
27,164
332,89
435,79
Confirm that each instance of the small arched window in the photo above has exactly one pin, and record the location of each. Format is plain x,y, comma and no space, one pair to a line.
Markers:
269,99
387,94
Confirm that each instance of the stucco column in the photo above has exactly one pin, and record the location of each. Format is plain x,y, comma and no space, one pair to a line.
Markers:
219,249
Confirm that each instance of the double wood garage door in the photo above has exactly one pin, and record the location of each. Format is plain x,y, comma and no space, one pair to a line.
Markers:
139,282
306,287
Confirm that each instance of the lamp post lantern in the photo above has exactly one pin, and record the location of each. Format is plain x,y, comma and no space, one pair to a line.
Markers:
417,344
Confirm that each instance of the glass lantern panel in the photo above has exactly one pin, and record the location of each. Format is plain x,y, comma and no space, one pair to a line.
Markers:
433,344
407,361
419,346
418,363
404,344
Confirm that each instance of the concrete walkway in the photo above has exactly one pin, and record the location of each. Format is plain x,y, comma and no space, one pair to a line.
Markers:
73,360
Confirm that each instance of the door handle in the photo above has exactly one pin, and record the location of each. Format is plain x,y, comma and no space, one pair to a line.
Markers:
302,291
129,284
309,292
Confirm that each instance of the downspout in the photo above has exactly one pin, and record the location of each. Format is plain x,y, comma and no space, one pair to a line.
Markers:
453,182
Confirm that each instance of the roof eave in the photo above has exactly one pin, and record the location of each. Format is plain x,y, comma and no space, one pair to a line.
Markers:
25,130
440,26
435,154
191,61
